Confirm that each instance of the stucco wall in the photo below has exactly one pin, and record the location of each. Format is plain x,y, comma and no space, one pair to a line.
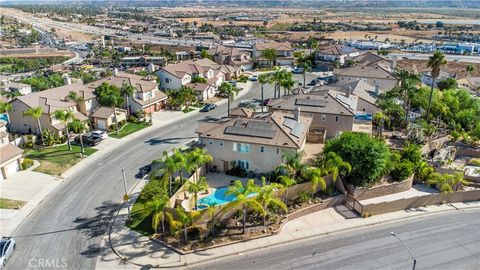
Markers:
361,193
330,124
22,124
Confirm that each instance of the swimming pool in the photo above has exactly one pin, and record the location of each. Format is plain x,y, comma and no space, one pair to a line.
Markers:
363,116
4,117
218,197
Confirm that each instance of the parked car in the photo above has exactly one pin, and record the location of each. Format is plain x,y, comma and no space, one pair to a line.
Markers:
90,140
297,70
208,107
101,133
253,78
234,83
144,171
267,101
7,246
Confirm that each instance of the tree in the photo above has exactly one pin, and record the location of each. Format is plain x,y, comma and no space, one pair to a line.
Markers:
188,95
35,113
381,120
79,128
271,56
306,66
156,208
197,187
6,107
170,168
73,96
127,92
269,202
292,163
286,183
204,54
65,116
469,69
244,200
12,94
197,158
314,175
288,84
447,83
198,79
407,88
263,79
180,160
435,62
227,90
109,95
368,156
182,221
335,165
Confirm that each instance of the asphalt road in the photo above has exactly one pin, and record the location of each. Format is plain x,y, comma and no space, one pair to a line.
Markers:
449,57
68,225
441,241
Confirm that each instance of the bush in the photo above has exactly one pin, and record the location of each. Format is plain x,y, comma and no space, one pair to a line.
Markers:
27,163
402,171
237,171
194,233
198,80
243,78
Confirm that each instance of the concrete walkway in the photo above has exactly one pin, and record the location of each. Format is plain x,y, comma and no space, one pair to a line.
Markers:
141,253
29,186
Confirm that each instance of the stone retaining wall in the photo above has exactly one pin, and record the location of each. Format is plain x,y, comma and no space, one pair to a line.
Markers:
330,202
362,193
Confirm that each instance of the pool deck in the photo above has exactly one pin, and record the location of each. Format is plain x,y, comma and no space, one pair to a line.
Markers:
216,180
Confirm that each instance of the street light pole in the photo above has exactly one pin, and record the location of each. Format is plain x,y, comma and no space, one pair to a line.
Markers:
408,249
125,196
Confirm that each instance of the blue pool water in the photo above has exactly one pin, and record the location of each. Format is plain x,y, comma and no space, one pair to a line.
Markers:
363,116
4,117
218,197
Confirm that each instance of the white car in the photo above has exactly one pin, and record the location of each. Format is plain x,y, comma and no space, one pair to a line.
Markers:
99,133
7,245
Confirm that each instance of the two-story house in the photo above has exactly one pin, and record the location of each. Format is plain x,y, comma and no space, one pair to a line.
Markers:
373,75
50,101
336,53
329,115
224,55
10,155
147,96
284,53
255,144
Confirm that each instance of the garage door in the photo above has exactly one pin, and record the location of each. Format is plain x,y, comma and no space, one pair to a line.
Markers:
12,168
101,124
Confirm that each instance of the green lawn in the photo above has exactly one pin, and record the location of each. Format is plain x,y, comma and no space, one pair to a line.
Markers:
11,204
56,160
190,109
128,129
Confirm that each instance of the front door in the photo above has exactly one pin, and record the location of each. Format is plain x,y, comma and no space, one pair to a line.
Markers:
225,165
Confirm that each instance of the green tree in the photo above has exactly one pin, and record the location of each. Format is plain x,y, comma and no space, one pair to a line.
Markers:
263,79
65,117
109,95
335,165
306,66
292,163
197,187
127,91
155,207
6,107
181,162
269,202
381,120
79,128
436,61
198,79
469,69
227,90
271,56
288,84
314,175
286,182
170,167
183,221
368,156
35,113
197,158
244,199
447,83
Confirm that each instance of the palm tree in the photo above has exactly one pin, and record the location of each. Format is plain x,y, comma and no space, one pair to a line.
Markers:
6,107
65,116
35,113
286,183
314,175
271,56
183,220
292,163
78,127
269,202
169,167
211,210
188,96
197,158
127,92
156,208
263,79
436,61
335,165
197,187
277,78
12,94
180,160
407,87
306,66
73,96
381,119
227,90
244,199
288,83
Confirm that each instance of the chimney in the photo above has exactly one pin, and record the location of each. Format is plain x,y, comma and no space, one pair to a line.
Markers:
67,80
393,64
349,91
151,68
296,114
115,72
377,90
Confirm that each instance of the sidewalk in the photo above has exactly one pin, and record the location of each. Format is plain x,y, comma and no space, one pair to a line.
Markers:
32,187
140,252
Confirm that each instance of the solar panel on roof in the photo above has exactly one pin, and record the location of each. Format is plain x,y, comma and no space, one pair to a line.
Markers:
311,102
251,132
298,129
289,122
259,125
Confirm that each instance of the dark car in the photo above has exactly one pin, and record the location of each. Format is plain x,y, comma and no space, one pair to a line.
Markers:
144,171
208,107
88,140
266,101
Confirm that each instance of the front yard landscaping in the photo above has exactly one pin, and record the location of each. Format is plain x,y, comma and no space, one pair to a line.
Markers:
128,129
11,204
56,160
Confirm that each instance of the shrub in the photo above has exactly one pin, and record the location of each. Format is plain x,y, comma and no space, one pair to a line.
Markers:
303,197
194,233
27,163
198,80
474,162
237,171
243,78
402,171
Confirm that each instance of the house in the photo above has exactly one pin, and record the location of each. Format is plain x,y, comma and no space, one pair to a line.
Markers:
329,115
143,61
336,53
147,97
427,77
223,55
175,75
369,59
103,117
21,88
51,100
284,53
376,76
255,144
10,155
204,91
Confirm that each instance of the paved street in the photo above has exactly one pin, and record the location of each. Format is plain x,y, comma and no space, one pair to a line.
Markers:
69,224
442,241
